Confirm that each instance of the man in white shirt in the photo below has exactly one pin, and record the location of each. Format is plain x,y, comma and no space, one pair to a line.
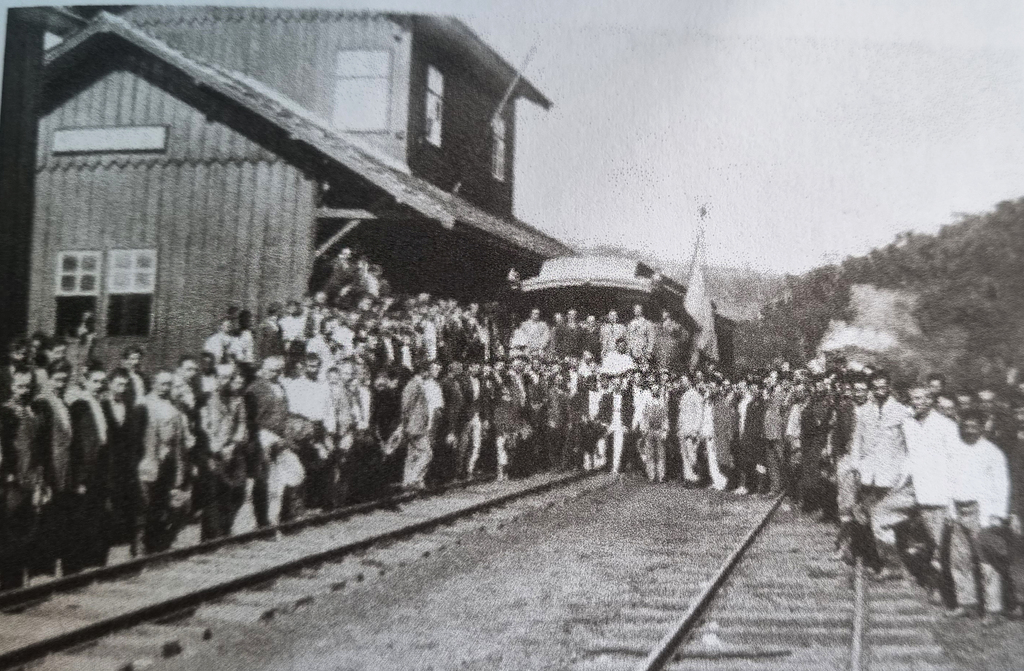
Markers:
877,454
293,334
924,485
980,485
599,456
221,343
310,397
342,333
617,362
640,337
533,335
689,425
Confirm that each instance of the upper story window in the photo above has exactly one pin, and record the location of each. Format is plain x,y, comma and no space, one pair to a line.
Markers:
435,105
362,93
50,40
499,138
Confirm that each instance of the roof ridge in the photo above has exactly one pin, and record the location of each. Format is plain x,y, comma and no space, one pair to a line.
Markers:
200,14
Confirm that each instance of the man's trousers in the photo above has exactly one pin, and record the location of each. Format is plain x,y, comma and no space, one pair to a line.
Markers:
652,451
159,522
688,453
975,580
618,436
502,444
793,463
417,462
470,444
775,458
898,506
718,479
1003,548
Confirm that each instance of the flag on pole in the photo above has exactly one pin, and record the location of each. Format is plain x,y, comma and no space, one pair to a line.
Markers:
698,305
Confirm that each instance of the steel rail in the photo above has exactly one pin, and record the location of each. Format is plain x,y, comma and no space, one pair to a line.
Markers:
859,617
128,618
666,648
14,598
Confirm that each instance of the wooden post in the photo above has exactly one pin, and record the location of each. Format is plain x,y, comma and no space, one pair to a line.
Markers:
333,240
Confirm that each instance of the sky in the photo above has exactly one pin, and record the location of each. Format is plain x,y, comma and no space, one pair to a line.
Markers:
811,129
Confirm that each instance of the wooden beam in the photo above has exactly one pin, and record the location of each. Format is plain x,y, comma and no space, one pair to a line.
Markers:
333,240
343,213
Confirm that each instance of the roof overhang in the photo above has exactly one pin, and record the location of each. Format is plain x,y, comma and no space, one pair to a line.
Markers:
538,284
613,272
300,125
460,37
58,20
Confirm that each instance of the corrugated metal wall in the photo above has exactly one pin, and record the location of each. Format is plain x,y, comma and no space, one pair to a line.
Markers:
231,222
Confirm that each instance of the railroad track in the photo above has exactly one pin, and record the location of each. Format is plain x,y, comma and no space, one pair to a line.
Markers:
778,599
125,616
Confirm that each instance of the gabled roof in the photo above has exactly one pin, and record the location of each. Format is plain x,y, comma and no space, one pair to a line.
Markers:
454,33
303,126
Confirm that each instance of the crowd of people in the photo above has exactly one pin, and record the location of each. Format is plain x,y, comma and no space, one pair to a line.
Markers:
354,393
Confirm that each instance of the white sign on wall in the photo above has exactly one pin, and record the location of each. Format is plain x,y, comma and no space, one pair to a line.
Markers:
112,139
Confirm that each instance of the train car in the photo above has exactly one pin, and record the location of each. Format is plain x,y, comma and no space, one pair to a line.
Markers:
596,284
593,285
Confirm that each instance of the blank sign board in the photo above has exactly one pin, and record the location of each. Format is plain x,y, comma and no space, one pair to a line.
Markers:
113,139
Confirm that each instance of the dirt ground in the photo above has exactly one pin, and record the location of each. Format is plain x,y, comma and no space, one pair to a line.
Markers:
979,647
504,600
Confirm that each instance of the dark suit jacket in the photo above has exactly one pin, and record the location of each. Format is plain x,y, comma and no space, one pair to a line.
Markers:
574,340
454,413
6,378
88,451
54,444
592,341
131,395
17,458
268,341
266,410
124,443
483,402
606,408
753,424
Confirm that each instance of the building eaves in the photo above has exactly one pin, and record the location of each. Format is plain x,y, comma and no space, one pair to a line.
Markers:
303,126
452,30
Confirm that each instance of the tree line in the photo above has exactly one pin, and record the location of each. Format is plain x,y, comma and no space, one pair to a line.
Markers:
969,282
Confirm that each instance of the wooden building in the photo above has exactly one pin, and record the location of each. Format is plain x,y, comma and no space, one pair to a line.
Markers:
192,159
19,107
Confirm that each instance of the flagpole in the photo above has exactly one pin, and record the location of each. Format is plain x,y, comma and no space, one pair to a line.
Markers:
512,86
698,302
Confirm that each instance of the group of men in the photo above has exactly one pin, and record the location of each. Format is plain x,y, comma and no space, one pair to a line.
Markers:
951,467
649,345
344,396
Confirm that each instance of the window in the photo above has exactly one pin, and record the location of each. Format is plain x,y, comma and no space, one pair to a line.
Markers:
362,94
499,135
50,40
130,284
78,286
435,105
78,274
